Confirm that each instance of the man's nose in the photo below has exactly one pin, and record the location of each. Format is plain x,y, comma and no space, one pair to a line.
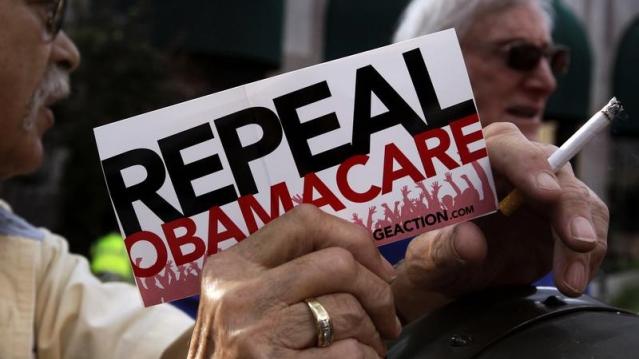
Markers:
64,53
541,79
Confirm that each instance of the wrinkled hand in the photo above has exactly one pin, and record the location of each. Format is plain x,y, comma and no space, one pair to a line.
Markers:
561,227
252,298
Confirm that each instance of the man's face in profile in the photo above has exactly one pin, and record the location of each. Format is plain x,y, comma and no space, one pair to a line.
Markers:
34,67
505,93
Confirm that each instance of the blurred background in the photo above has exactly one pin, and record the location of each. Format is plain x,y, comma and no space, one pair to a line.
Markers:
142,55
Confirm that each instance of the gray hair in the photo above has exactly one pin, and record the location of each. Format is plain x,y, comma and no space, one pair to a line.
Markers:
422,17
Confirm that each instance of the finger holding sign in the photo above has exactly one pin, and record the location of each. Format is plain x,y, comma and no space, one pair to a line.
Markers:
306,229
349,319
439,265
306,285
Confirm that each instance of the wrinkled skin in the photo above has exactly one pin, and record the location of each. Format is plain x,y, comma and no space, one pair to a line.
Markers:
562,227
252,295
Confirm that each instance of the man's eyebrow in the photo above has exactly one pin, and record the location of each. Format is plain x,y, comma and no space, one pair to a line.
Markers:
40,2
518,39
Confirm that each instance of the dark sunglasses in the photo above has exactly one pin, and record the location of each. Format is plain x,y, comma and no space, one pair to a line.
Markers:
524,56
53,15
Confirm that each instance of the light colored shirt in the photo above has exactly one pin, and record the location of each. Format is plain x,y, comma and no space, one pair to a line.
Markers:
52,307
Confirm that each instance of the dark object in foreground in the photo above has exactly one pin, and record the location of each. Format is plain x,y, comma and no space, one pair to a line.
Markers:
521,323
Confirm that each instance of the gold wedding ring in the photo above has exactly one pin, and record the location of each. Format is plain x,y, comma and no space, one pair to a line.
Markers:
322,322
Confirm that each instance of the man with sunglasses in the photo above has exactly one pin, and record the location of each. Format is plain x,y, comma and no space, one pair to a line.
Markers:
308,285
509,53
511,62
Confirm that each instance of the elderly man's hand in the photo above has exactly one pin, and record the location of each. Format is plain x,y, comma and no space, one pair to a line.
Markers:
561,227
252,299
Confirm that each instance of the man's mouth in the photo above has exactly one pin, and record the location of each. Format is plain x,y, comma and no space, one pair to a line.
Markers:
525,112
49,117
55,87
51,100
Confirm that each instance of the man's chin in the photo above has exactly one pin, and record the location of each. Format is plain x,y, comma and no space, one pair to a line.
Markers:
24,169
31,168
529,127
28,162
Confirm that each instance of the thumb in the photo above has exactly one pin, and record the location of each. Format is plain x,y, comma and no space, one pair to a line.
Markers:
439,265
442,260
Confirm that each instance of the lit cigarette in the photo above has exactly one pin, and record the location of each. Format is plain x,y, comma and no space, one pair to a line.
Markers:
569,149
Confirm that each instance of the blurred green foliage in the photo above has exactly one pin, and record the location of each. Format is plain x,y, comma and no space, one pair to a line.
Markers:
628,299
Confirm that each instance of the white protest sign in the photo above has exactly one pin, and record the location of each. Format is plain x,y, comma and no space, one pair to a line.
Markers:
388,139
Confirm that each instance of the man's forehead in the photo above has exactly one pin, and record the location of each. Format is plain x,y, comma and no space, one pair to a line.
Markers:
520,22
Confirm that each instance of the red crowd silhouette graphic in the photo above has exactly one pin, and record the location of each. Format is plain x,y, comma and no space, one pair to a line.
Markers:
178,281
428,201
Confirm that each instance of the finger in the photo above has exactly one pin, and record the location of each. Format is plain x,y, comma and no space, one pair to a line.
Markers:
331,270
523,163
199,344
572,219
439,260
347,348
571,269
348,318
439,264
306,229
600,220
